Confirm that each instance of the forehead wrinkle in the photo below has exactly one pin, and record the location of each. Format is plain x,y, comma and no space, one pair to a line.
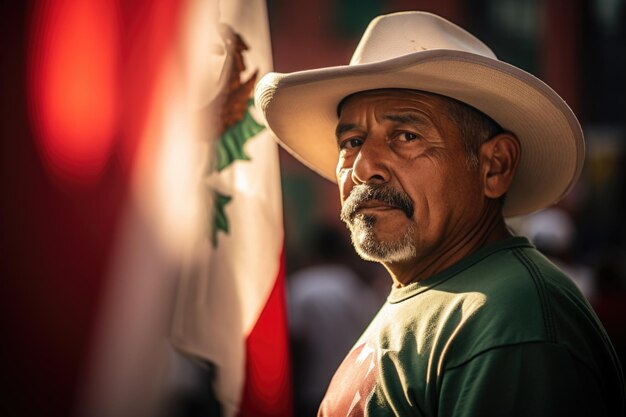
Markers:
408,117
396,102
416,108
343,127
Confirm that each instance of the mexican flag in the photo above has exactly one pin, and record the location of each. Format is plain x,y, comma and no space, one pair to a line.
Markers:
230,306
149,146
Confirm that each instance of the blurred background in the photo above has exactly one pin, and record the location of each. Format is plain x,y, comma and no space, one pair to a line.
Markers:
49,306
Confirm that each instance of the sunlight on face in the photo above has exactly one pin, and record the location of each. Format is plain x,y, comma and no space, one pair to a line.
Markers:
404,183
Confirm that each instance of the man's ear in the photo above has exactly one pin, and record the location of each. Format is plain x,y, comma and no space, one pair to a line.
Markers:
499,157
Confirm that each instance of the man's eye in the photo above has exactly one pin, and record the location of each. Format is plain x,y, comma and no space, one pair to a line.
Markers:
407,136
351,143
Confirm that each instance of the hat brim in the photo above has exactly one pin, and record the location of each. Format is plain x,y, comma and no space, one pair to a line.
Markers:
301,109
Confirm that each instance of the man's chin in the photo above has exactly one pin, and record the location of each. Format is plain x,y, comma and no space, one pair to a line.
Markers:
371,248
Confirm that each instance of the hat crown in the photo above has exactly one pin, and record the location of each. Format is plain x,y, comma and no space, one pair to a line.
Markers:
394,35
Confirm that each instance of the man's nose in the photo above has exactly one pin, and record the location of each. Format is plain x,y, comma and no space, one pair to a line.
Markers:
371,163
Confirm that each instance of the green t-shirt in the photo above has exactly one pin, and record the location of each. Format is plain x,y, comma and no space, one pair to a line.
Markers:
501,333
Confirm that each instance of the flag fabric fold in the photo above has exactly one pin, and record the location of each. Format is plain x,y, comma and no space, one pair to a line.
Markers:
230,303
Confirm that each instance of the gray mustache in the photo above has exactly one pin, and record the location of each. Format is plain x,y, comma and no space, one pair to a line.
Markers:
363,193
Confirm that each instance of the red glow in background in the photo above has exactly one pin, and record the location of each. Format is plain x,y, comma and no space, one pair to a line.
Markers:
78,78
73,85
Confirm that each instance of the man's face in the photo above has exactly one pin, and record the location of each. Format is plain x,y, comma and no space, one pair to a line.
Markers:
405,186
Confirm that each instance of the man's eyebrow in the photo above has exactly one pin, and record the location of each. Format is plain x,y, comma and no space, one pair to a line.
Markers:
408,118
343,127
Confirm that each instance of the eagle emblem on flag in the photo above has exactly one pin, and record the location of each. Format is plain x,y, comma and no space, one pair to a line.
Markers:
233,126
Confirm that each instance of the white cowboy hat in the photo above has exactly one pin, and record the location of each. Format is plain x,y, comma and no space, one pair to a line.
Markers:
422,51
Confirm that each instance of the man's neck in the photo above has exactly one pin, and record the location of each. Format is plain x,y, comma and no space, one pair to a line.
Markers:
404,273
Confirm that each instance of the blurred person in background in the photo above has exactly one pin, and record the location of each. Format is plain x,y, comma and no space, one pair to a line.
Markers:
329,306
433,142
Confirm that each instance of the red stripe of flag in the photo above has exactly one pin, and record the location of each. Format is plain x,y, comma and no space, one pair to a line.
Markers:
267,387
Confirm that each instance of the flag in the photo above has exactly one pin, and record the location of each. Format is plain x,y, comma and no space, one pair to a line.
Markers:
230,306
139,158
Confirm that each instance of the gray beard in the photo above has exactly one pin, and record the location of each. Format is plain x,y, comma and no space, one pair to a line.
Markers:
369,248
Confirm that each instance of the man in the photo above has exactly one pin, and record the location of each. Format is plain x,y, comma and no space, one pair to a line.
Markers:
433,142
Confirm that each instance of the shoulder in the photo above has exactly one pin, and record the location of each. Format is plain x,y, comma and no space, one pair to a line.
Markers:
526,299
